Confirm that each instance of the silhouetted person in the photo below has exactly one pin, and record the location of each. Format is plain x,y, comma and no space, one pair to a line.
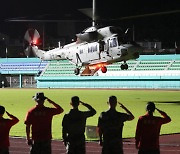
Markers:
110,126
39,119
74,126
5,126
148,129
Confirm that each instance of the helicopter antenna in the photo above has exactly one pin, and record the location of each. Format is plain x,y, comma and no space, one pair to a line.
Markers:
94,13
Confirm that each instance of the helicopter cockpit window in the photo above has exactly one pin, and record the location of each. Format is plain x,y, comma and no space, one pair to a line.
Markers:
113,42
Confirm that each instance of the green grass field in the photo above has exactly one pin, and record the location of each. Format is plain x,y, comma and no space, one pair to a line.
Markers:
18,101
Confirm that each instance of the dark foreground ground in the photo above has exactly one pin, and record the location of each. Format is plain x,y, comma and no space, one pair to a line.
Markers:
169,144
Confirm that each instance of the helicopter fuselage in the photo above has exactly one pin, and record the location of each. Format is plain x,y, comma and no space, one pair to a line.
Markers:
92,53
97,47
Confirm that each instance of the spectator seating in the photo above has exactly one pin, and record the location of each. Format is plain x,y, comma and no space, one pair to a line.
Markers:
23,66
59,68
144,63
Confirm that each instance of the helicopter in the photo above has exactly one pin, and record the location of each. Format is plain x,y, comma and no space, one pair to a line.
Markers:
94,49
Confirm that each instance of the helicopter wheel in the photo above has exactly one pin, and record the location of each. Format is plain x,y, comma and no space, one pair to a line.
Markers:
124,66
104,69
76,71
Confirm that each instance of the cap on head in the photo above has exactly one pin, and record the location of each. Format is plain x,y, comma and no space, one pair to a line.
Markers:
150,107
39,96
2,109
75,101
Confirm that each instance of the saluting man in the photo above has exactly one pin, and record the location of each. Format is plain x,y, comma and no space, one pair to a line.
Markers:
39,119
148,129
5,126
110,127
74,124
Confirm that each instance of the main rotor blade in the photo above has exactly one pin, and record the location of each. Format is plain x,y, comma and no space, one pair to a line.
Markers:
147,15
45,21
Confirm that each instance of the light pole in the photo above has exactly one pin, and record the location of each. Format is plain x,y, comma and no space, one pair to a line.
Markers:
5,45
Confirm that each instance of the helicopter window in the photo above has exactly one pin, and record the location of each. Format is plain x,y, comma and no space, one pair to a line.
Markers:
81,51
92,48
89,49
113,42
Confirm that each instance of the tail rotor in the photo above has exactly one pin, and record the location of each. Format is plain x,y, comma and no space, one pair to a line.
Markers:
31,38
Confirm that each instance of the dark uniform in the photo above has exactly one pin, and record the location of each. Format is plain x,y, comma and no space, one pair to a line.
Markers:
74,128
111,123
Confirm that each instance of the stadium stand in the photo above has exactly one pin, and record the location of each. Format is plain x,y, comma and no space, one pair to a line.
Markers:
18,72
59,68
144,63
148,71
162,65
175,65
21,65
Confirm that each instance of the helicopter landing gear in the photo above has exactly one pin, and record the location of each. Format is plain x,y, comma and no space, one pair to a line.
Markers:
104,69
124,66
76,71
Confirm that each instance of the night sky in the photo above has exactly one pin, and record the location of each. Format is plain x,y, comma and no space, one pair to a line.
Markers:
20,8
161,27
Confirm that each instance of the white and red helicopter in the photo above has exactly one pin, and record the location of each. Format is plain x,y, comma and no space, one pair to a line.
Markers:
95,48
